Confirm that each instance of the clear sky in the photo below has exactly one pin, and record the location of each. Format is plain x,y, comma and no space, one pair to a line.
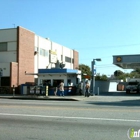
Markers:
95,28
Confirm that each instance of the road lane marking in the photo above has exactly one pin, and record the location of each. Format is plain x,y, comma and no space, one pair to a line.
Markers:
71,108
67,117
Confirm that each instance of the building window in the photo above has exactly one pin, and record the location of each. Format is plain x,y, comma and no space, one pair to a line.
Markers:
62,58
67,59
5,81
72,60
41,51
3,46
44,52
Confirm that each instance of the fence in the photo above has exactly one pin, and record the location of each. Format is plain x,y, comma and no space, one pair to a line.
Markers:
5,90
45,90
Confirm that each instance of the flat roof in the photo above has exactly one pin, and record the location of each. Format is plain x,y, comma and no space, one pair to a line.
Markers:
58,71
127,61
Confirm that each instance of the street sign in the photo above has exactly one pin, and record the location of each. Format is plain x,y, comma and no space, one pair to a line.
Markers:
87,76
94,72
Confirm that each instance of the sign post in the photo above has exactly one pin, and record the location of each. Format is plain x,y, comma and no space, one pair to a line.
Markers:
13,90
94,74
1,74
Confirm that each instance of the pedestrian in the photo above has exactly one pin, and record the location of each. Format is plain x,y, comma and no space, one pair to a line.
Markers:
55,91
81,88
61,88
87,87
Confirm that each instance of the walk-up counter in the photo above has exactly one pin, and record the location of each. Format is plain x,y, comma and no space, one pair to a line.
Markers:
53,77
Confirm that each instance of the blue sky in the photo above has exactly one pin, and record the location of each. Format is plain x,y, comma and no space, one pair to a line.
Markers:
95,28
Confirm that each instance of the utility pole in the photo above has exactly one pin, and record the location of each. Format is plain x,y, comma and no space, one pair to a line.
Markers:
1,74
93,74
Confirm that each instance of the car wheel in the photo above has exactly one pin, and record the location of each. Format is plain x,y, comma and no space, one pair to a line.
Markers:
127,91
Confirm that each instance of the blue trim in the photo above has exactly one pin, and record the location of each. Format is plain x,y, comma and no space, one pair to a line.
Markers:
40,71
21,88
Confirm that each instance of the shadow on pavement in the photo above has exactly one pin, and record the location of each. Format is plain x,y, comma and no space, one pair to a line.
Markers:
121,102
39,98
118,103
120,93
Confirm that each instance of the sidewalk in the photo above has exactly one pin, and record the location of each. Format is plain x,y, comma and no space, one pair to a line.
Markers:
104,97
35,97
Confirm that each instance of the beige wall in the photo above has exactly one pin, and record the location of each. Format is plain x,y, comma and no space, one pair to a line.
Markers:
8,35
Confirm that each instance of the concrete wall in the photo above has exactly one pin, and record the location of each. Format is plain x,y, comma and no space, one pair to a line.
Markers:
41,61
46,44
9,36
7,57
6,69
105,86
69,53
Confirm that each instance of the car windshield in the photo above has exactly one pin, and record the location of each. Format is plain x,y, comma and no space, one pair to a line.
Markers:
132,83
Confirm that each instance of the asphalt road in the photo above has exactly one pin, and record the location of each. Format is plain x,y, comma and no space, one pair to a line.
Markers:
99,118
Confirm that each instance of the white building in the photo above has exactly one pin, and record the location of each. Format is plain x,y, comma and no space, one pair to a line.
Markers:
22,53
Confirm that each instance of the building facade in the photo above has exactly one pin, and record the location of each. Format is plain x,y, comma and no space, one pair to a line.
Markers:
22,53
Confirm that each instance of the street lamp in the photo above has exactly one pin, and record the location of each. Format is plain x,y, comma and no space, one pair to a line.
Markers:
93,74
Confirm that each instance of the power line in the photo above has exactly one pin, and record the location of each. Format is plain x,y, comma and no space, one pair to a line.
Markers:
111,56
128,45
105,67
92,58
105,64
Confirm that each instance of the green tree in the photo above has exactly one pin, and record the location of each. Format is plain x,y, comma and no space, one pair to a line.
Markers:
135,74
122,77
101,77
118,73
137,70
85,70
104,77
98,77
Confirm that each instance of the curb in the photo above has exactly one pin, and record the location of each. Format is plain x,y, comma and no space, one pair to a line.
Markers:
42,98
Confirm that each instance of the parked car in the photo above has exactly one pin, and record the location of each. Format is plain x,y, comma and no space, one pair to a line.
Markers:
133,87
